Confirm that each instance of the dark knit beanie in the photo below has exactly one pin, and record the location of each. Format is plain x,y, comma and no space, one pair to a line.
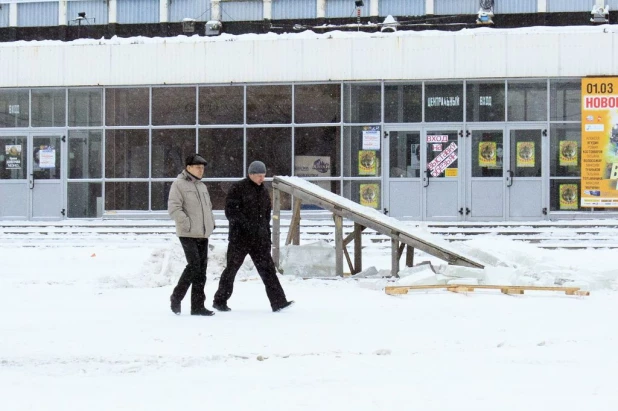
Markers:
257,167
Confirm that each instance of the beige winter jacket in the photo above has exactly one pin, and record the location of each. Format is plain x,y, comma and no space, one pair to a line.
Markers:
190,207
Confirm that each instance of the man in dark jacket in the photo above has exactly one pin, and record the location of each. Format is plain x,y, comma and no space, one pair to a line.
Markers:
190,207
248,208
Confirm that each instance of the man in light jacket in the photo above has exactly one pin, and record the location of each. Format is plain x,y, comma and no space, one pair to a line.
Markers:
190,207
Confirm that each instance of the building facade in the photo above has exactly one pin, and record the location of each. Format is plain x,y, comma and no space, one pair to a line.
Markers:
424,125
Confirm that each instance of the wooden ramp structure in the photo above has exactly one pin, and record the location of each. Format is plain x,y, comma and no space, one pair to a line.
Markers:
463,288
363,217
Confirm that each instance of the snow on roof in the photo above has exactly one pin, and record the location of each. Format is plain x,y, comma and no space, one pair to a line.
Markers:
309,34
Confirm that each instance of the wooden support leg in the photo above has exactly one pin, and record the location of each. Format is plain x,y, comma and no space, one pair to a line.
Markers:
338,244
276,226
358,249
294,230
394,258
409,256
297,204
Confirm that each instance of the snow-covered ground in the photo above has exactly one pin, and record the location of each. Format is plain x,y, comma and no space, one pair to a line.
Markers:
88,326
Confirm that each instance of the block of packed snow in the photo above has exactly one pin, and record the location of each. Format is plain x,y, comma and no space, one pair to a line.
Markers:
420,268
369,272
463,272
463,281
310,260
500,275
422,277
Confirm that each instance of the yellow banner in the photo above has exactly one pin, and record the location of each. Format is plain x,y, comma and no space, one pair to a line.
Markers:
525,154
568,197
569,153
370,195
599,163
367,163
487,154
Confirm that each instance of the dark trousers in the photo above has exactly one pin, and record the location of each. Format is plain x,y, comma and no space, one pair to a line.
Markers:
194,275
260,254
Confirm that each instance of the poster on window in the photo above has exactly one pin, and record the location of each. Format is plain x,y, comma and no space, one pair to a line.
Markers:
367,163
370,195
568,153
313,166
371,138
487,154
525,154
568,197
47,157
13,156
599,144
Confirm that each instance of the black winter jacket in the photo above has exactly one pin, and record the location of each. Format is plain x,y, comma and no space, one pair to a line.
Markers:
248,208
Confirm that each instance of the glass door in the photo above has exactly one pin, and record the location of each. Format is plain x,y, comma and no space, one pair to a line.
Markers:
404,178
485,185
524,174
45,177
441,177
14,165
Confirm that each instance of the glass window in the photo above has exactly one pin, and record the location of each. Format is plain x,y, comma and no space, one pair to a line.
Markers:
362,103
85,154
316,151
218,193
317,103
127,106
126,196
527,101
405,154
367,193
565,100
126,154
14,108
222,105
273,146
169,150
443,102
565,150
269,104
47,148
85,200
403,103
285,200
173,106
487,153
564,195
85,107
48,108
485,101
361,151
13,158
442,153
223,149
525,158
160,194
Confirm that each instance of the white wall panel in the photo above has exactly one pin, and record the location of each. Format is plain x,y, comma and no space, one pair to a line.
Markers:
294,9
516,6
37,14
193,9
242,10
569,5
96,11
4,15
402,7
138,11
478,53
345,8
456,6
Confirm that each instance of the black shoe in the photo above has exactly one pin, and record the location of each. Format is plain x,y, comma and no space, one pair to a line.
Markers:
202,311
283,307
175,306
221,307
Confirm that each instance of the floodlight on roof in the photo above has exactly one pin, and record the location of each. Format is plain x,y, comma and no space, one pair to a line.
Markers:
600,14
